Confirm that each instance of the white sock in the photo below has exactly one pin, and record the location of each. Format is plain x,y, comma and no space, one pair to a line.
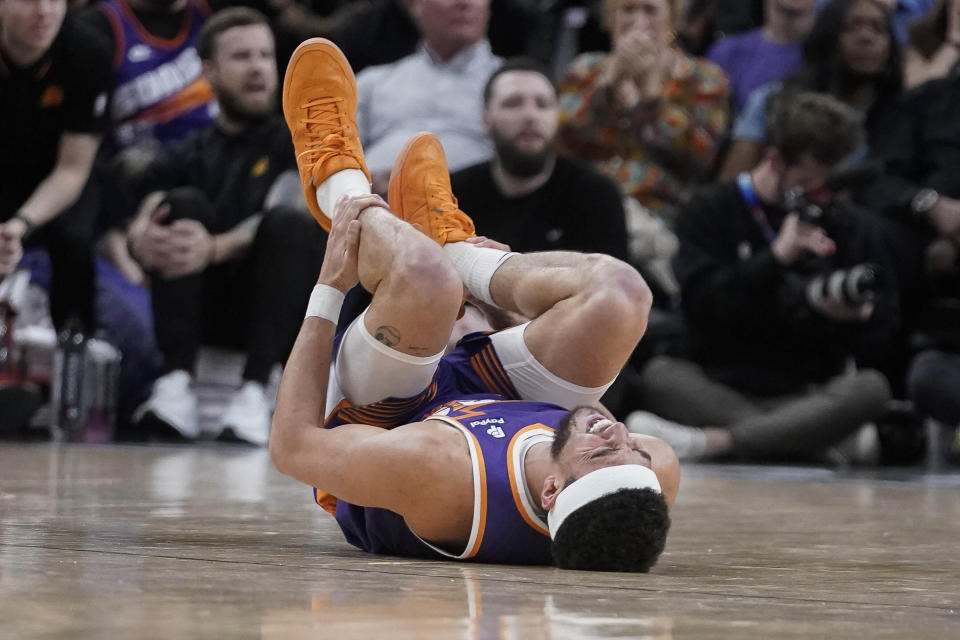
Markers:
349,182
476,266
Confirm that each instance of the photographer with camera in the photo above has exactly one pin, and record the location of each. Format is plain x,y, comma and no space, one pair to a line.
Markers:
780,291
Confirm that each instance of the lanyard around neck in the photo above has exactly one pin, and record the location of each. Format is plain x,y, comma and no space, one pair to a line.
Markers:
745,183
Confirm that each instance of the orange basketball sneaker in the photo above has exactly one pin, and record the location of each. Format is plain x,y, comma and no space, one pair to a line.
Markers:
420,191
320,107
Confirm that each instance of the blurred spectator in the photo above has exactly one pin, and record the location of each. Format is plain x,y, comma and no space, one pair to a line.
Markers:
758,56
934,50
904,13
921,155
527,196
54,82
230,261
771,346
652,118
438,89
921,189
161,94
706,21
647,114
851,54
375,32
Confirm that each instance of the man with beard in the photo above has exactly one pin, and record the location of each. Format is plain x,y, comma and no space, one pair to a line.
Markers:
528,196
495,452
229,258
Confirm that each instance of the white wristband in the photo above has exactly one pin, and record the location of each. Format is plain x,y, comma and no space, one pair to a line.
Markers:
325,302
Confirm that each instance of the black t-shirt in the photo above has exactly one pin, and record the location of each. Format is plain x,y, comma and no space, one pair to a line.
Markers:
65,91
234,171
577,209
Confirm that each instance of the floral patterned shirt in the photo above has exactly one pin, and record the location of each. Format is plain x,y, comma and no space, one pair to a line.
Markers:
658,149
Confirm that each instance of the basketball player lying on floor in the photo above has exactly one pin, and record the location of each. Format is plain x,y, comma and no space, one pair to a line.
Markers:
498,451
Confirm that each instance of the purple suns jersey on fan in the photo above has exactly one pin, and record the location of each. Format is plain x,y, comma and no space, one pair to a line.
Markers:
161,93
471,393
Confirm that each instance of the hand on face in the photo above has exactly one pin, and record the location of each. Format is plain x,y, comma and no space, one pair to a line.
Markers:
642,36
796,238
637,53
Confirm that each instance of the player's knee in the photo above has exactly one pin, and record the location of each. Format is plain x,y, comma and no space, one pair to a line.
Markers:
428,277
622,287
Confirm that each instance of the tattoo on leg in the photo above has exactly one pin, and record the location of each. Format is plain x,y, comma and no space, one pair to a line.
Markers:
387,335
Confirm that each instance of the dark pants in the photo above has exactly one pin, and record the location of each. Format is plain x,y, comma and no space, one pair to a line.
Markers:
798,426
255,303
68,240
934,385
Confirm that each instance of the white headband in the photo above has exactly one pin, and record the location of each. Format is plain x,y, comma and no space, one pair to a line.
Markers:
597,484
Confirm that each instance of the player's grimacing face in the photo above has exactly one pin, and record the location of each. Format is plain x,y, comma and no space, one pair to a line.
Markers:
594,441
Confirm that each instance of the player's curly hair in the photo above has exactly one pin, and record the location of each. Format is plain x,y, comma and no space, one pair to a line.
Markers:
622,531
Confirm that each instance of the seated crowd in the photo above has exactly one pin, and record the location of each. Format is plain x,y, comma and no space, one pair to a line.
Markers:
782,172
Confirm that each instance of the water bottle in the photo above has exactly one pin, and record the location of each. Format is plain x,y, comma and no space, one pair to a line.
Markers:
100,383
67,389
9,365
12,290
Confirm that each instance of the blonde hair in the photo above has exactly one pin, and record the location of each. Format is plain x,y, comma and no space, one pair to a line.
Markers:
610,8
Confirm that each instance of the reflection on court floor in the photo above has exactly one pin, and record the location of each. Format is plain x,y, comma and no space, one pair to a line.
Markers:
213,543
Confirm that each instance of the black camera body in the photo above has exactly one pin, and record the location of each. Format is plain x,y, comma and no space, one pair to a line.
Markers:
797,201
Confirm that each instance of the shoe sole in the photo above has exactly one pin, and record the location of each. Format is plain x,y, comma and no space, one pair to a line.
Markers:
289,111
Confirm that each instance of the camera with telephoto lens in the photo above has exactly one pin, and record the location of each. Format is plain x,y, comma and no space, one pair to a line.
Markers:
853,286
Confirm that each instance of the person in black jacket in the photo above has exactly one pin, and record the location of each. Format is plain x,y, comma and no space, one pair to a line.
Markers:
55,76
230,259
770,347
921,191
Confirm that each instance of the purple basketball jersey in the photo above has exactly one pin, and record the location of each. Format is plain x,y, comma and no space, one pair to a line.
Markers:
471,393
161,94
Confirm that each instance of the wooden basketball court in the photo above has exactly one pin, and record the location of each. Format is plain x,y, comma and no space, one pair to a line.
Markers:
211,542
